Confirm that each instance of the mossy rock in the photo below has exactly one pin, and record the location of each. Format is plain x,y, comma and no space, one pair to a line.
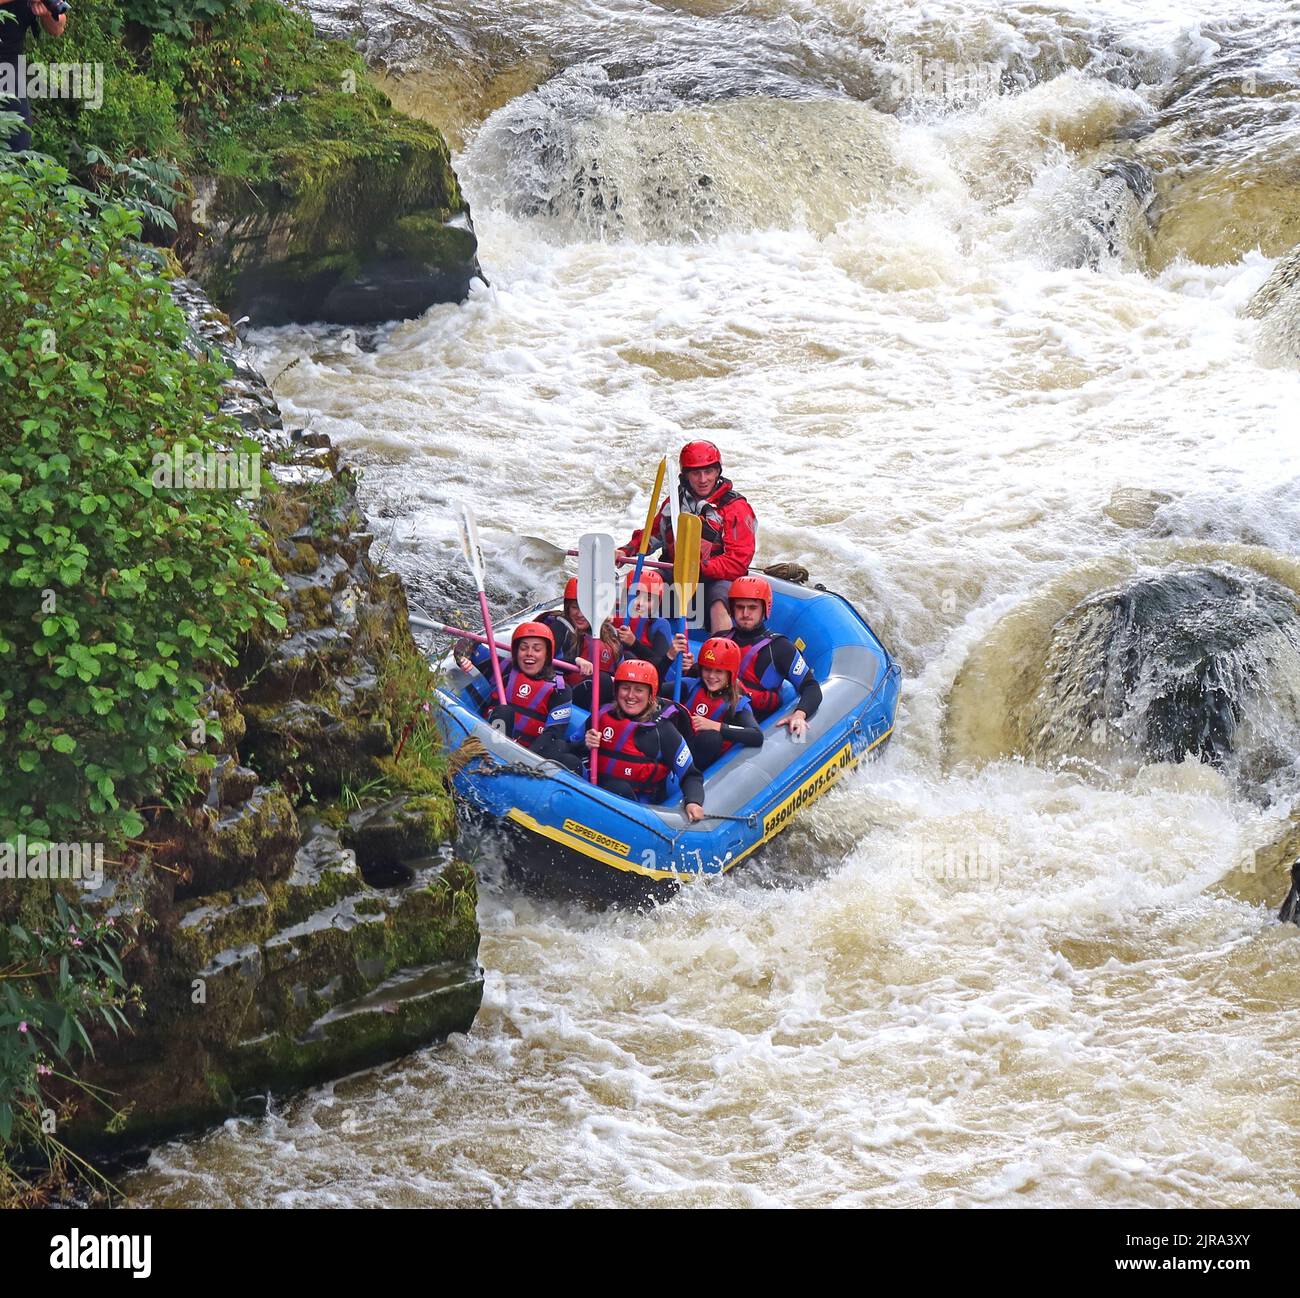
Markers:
256,840
409,827
365,977
354,229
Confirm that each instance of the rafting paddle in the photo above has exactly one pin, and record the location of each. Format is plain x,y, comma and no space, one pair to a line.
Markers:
474,557
428,624
686,577
596,599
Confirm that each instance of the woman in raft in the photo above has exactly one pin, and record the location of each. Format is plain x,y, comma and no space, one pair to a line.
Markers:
538,703
716,714
643,633
635,748
575,643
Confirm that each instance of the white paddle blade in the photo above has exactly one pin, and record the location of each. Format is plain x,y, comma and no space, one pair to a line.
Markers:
597,591
674,494
469,545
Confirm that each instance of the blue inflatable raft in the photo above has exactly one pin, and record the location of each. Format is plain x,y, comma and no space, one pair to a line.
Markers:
566,835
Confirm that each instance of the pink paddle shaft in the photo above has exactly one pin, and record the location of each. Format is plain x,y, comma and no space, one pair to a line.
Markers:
649,563
595,718
489,638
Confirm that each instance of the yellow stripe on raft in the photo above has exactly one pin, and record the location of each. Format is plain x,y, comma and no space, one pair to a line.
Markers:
774,821
587,849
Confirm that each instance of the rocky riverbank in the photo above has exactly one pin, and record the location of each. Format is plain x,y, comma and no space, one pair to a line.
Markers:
306,916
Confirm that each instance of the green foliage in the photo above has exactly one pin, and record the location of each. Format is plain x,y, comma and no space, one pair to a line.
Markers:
122,594
55,982
258,84
139,114
150,186
217,85
177,17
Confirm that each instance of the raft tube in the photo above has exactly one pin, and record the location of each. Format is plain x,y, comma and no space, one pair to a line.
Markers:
567,836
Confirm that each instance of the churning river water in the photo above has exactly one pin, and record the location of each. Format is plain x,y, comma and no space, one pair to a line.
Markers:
957,288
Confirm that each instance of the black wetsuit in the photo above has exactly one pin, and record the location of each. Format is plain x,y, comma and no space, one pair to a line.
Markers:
13,35
663,742
782,660
739,726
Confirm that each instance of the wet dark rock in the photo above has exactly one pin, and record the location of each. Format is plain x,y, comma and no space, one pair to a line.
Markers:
346,239
272,962
1169,666
407,828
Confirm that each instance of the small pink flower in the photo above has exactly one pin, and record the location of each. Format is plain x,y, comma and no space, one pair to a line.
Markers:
43,1070
72,928
22,1027
109,921
76,941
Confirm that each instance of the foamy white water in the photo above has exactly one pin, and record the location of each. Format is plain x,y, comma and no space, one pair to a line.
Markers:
954,369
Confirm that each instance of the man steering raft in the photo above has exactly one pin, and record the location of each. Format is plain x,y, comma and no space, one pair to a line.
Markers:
636,749
767,658
728,529
538,703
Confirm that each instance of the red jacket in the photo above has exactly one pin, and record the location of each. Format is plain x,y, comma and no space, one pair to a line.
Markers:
728,534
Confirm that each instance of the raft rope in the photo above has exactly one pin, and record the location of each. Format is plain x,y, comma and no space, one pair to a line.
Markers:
472,749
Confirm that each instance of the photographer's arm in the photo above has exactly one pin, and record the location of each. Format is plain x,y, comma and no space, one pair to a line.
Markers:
51,25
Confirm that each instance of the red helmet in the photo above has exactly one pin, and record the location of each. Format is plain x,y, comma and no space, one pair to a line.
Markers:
651,582
538,629
570,589
722,655
700,455
752,588
638,672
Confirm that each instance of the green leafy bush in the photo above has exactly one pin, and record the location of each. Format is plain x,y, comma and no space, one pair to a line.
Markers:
139,113
176,17
121,596
223,86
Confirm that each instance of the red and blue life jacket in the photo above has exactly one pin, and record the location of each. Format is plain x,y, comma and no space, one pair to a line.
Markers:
530,697
763,688
700,703
596,652
618,757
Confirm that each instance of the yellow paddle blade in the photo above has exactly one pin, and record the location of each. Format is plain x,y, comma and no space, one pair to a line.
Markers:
654,505
686,558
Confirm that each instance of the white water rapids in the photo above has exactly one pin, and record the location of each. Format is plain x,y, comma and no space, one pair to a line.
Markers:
946,384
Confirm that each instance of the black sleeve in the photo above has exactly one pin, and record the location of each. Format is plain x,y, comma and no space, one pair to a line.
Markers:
677,715
660,645
810,693
670,744
742,728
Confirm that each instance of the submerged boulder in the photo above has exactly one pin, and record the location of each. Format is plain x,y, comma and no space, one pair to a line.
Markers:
1193,656
1167,666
